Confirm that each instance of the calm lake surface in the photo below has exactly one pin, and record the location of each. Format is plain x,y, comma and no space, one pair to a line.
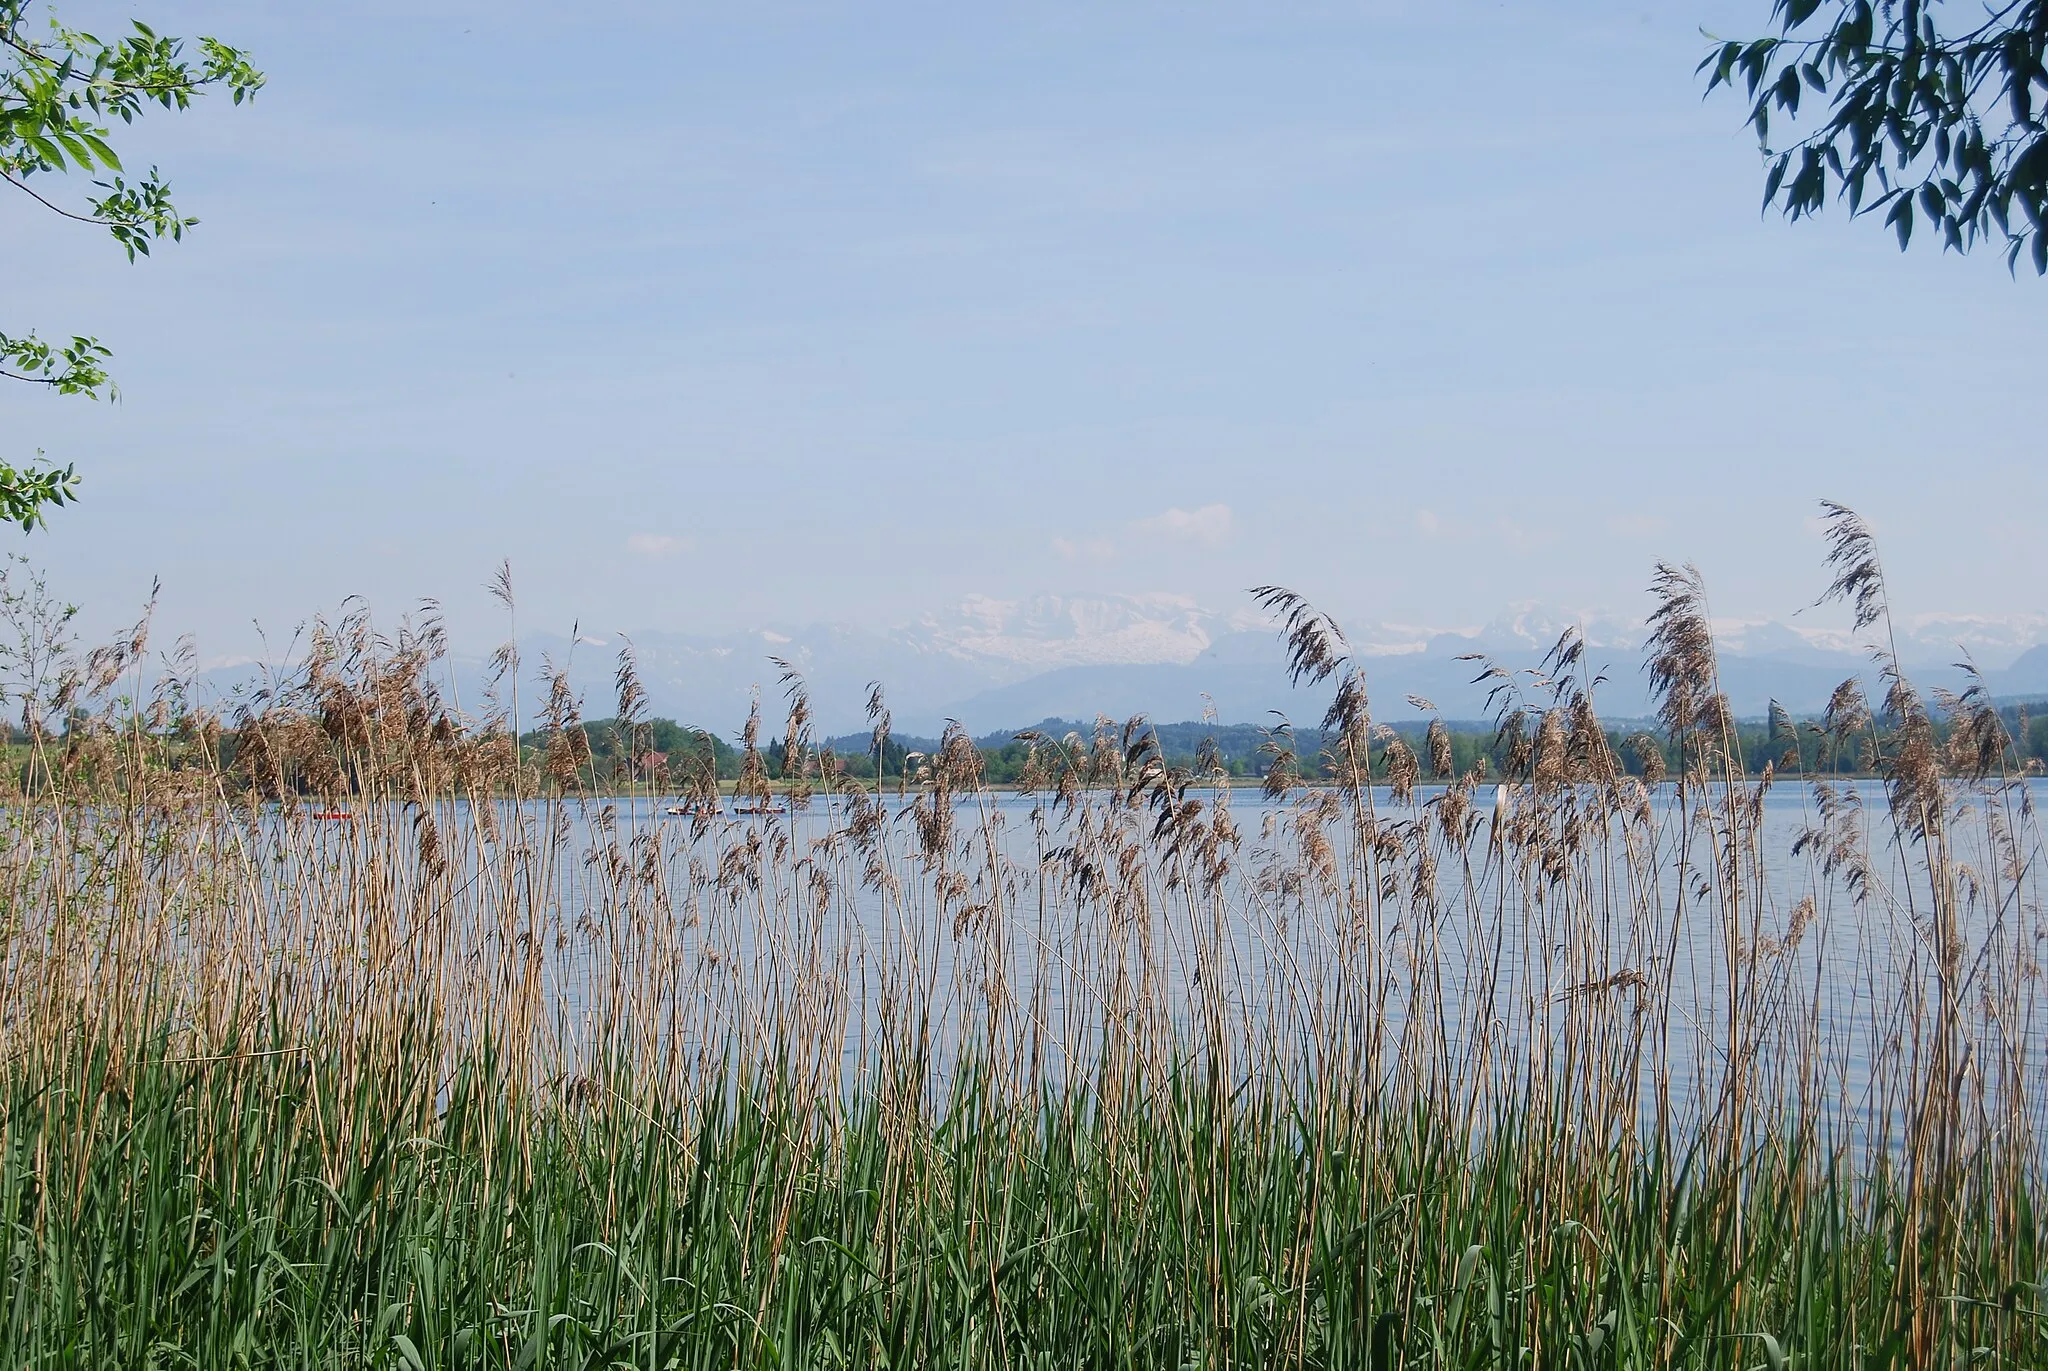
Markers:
1494,947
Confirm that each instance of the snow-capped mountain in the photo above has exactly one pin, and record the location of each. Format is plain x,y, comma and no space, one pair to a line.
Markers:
995,663
1050,631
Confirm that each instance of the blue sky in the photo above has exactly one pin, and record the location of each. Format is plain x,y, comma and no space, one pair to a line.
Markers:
715,316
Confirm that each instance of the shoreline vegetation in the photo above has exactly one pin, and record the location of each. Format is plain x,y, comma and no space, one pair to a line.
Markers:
1394,1077
648,756
658,758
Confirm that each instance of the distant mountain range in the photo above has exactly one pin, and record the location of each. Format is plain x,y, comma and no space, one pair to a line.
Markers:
999,664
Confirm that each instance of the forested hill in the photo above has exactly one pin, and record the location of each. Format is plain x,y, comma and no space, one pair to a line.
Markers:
661,751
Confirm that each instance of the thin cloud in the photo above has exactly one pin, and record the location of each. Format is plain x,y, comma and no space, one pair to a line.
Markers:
656,545
1523,537
1207,527
1432,525
1087,550
1636,525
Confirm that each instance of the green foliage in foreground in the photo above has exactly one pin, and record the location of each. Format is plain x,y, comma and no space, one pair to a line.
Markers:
264,1212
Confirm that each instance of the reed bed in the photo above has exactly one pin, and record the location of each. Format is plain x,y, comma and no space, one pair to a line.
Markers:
1552,1067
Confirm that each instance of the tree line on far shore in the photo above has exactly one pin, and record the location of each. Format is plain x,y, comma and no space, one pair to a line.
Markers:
662,753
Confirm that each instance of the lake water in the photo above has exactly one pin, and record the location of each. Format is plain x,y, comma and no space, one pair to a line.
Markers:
1063,923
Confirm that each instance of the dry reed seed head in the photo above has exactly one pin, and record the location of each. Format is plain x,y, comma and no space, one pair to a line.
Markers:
486,811
1551,765
957,765
1716,717
1838,837
1847,712
1283,772
1563,659
1403,770
1516,743
501,585
1068,793
1591,757
1350,713
1755,806
1902,701
1913,774
739,868
563,759
797,732
932,818
1784,736
1453,807
632,698
1224,837
1978,740
863,821
1152,782
753,778
562,710
1503,690
66,693
1106,761
1316,647
1318,859
1033,775
1635,801
103,666
1441,762
1682,663
428,835
1852,556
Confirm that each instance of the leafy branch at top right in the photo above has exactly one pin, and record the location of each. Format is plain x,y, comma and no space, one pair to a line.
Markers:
1936,126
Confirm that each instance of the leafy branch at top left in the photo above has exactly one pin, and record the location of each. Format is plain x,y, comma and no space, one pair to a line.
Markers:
62,91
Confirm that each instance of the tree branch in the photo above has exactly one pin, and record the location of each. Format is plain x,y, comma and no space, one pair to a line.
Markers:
59,209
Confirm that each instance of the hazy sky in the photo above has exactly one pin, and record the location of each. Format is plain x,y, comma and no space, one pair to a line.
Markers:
710,316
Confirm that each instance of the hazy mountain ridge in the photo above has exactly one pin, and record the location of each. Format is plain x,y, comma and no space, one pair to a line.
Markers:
993,663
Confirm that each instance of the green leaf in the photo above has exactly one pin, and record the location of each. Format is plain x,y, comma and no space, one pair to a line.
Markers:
1774,180
101,150
1901,219
408,1353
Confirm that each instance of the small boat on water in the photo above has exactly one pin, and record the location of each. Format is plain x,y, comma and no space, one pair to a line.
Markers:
335,814
692,811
